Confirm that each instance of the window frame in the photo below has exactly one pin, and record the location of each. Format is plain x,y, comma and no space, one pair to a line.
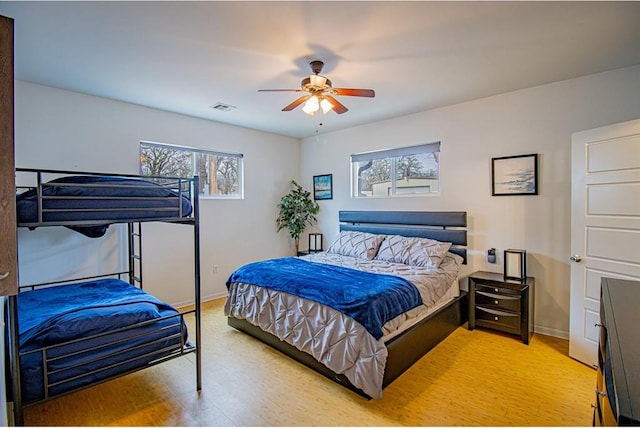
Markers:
393,155
193,151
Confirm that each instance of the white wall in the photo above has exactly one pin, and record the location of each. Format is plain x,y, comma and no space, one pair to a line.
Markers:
57,129
66,130
536,120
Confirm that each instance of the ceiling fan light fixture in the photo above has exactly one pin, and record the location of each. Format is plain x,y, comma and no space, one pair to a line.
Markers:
326,106
311,106
317,80
315,83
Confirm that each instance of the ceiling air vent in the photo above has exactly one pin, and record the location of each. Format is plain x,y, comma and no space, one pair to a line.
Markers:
223,107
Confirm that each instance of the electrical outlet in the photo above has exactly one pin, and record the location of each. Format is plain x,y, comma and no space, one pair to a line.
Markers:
491,255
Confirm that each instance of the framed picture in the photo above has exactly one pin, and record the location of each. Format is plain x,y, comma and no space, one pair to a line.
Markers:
323,186
514,175
515,264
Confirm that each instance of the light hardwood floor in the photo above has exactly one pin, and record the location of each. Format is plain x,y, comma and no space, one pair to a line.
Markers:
478,378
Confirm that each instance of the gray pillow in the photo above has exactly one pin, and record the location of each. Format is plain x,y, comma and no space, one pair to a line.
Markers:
356,244
413,251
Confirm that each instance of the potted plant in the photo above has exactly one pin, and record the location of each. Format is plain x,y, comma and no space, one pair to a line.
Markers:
297,210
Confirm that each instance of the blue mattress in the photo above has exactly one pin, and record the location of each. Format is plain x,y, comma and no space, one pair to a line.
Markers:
66,324
100,199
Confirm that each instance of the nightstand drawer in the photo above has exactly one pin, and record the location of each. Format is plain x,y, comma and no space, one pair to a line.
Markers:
505,291
496,318
498,301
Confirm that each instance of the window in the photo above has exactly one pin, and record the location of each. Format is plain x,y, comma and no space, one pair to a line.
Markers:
220,173
401,171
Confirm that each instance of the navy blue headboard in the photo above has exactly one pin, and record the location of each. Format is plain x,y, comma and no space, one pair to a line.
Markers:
444,226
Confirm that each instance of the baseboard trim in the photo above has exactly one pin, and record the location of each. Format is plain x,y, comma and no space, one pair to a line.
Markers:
206,298
562,334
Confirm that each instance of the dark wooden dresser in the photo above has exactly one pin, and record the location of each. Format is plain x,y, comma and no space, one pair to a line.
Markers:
618,376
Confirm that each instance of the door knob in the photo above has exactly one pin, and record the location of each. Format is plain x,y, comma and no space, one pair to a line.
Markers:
576,258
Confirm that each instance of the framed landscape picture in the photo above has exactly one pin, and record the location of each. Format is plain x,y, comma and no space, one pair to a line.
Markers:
323,186
514,175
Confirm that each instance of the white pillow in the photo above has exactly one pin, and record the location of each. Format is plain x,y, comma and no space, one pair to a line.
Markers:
413,251
356,244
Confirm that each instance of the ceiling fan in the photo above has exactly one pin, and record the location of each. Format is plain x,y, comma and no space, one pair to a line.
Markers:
320,93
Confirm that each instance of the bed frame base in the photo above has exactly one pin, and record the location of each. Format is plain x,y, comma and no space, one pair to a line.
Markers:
413,344
404,350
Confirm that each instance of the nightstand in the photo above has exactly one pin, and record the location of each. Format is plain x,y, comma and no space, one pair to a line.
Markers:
499,304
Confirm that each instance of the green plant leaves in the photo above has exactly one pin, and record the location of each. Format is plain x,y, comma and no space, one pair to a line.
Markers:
297,210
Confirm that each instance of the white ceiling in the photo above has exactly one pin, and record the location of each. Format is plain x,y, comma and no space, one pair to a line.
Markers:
186,56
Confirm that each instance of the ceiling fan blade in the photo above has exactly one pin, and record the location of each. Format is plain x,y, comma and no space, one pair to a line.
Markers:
296,103
354,92
338,107
280,90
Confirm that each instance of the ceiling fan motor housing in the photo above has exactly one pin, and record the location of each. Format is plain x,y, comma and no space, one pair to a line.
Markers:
316,66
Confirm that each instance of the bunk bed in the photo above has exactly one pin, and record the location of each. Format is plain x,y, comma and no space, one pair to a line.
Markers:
68,335
283,302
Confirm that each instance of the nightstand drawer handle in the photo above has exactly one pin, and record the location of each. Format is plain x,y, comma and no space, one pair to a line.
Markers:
496,302
495,318
497,290
4,276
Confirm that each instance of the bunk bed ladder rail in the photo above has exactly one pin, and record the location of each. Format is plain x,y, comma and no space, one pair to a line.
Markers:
195,189
135,253
39,195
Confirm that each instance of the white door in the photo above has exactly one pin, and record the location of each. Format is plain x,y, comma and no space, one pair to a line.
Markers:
605,224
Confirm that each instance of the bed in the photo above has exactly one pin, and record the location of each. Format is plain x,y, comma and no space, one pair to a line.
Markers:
403,297
71,327
68,335
89,203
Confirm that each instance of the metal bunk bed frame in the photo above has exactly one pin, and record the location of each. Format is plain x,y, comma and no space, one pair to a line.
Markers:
185,187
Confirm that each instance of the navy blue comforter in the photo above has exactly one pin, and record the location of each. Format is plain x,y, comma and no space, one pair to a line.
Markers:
100,199
58,314
369,298
62,314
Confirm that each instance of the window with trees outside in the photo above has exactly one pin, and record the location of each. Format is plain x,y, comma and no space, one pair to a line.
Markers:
220,174
411,170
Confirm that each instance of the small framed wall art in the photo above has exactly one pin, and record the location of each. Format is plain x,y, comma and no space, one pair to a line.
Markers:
323,186
514,175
